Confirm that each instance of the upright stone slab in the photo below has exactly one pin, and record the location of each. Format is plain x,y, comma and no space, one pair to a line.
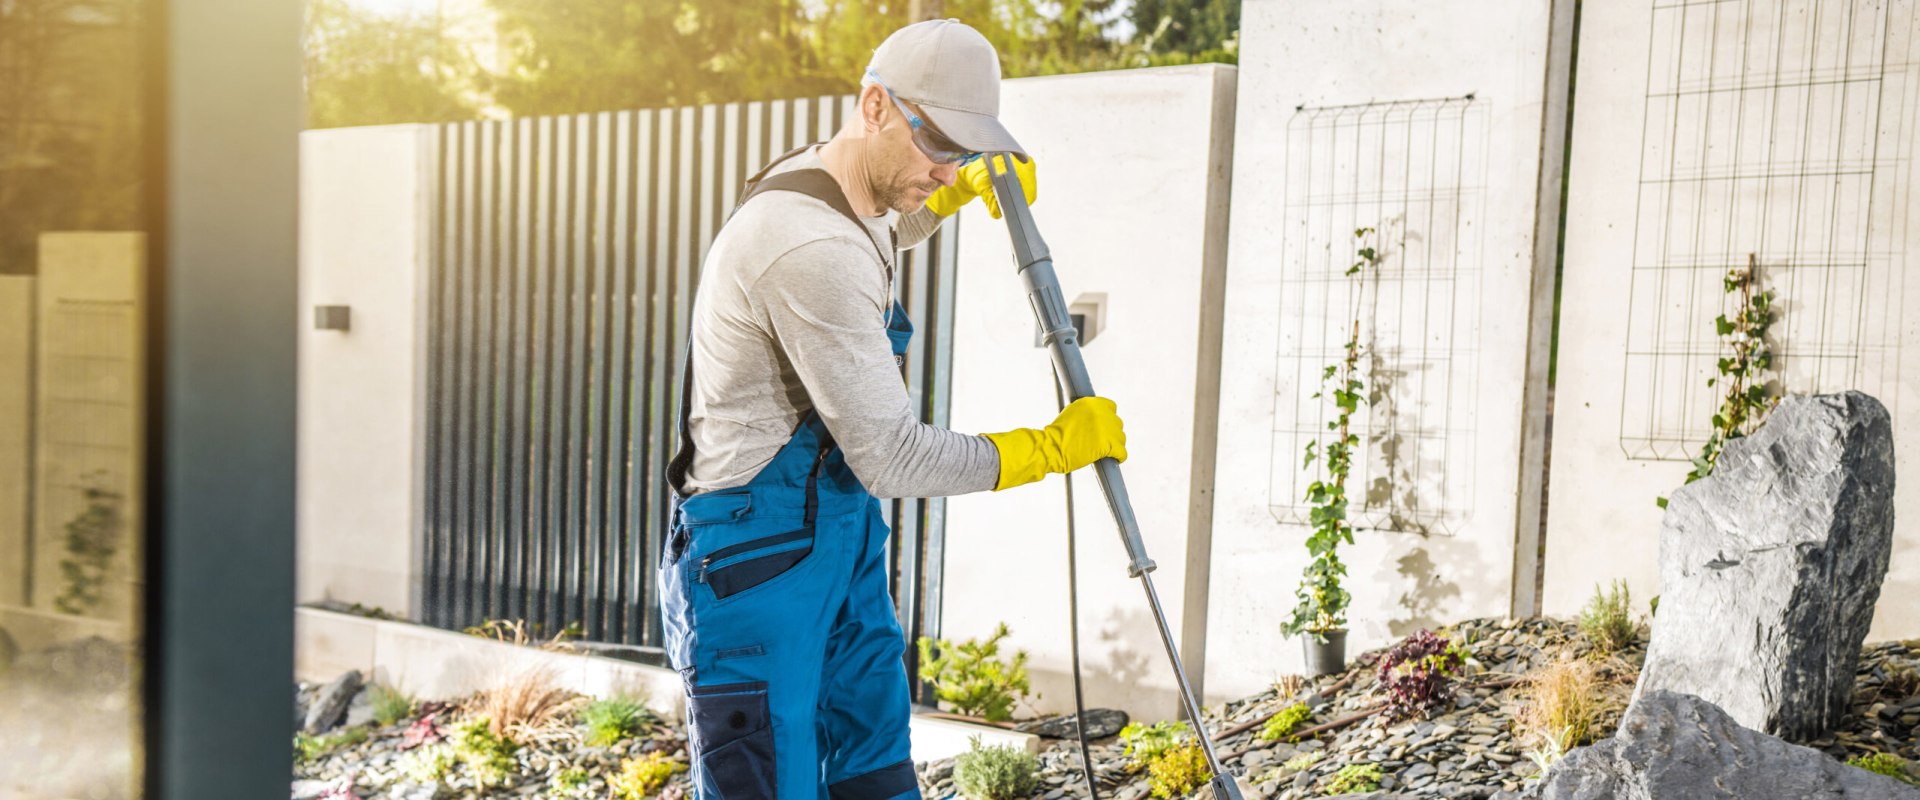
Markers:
89,424
16,434
1438,125
1770,568
1678,747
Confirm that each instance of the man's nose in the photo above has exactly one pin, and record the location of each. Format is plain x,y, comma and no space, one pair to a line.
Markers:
946,174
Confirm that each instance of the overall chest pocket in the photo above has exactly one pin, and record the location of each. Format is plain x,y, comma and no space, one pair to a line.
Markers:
736,568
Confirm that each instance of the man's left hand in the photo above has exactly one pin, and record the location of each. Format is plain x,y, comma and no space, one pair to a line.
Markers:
973,181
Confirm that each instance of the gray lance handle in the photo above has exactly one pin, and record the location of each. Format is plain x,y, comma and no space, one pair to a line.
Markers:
1043,291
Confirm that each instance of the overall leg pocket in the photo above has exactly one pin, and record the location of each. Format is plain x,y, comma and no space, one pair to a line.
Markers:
732,730
736,568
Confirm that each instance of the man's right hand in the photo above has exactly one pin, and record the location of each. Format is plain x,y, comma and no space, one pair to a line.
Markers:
1087,431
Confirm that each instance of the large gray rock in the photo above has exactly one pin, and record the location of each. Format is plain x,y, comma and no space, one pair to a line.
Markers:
330,705
1770,568
1679,747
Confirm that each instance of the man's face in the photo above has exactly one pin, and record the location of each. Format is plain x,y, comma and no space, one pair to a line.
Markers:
902,177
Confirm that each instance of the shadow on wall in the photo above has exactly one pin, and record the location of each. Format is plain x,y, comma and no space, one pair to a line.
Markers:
1428,590
1394,484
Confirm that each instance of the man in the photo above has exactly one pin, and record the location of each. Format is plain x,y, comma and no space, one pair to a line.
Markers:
774,578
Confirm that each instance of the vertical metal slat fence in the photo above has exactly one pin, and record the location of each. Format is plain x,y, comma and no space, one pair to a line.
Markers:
566,253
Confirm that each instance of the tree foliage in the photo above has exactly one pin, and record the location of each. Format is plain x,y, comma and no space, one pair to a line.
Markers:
70,121
1186,31
537,57
372,69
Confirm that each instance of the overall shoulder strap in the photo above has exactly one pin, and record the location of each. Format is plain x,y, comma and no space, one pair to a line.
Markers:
815,183
819,185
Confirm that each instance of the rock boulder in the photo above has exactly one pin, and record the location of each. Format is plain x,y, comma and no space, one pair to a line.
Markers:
1770,567
1678,747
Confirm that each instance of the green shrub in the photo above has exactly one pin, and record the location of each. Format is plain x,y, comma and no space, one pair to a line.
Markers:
309,748
995,773
429,764
640,777
1355,779
1283,723
488,757
1143,743
1178,771
971,678
1886,764
1303,761
614,719
390,705
1607,619
570,780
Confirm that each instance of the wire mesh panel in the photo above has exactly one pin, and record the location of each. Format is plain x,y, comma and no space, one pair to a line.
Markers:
1413,172
1773,128
567,250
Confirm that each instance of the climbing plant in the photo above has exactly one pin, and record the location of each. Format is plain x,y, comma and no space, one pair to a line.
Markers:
1322,605
1747,395
92,538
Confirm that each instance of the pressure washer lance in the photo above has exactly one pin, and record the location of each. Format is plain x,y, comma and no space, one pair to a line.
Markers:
1063,340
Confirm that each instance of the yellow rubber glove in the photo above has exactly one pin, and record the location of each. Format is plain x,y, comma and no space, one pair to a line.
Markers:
1087,431
973,181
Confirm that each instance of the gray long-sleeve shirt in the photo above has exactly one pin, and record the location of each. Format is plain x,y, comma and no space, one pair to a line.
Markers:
790,316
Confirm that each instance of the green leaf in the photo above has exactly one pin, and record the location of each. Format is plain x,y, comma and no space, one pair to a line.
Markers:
1721,325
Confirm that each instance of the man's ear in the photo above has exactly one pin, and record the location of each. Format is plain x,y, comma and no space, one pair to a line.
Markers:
873,107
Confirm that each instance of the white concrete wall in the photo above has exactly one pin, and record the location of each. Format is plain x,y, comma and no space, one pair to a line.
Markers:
364,213
1673,184
16,432
1357,114
90,407
1133,169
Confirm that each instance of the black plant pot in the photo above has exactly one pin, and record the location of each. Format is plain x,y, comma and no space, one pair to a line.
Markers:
1325,658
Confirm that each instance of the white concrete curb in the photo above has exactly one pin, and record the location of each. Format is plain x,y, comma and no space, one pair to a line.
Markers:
435,664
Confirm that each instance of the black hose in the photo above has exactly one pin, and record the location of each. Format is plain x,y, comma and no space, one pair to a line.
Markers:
1073,622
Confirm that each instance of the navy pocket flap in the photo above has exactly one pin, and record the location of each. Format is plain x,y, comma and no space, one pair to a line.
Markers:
732,732
726,712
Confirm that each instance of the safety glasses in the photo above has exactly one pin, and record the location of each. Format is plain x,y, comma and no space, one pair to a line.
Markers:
935,145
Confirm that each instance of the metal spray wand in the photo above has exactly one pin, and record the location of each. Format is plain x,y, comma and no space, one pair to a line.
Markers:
1063,341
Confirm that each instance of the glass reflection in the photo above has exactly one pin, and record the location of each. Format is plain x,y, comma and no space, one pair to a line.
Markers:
72,404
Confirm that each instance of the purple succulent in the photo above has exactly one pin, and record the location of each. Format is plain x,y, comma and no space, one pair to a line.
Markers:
1417,675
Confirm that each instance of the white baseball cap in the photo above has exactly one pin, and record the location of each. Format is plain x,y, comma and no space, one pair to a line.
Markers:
952,72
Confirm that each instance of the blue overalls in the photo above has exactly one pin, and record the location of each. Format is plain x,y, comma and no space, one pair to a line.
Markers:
779,618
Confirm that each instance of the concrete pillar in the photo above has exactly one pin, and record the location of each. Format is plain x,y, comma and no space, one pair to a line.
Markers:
364,244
